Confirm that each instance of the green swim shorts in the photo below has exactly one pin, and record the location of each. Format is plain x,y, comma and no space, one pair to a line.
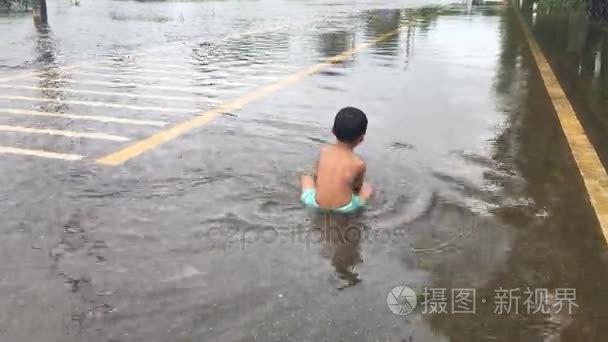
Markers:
308,198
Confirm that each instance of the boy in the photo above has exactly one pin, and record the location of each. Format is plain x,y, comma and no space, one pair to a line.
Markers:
337,184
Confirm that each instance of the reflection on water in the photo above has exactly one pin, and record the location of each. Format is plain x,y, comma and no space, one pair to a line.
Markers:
578,50
50,75
381,21
532,147
340,237
335,43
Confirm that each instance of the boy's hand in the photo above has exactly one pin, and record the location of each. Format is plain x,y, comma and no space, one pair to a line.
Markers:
366,191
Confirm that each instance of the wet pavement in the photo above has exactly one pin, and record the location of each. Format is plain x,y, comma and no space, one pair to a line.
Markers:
203,238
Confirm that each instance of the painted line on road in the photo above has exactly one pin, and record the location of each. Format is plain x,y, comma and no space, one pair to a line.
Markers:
119,85
119,65
194,64
136,70
157,79
154,141
200,99
97,104
589,164
99,118
33,73
187,74
63,133
39,153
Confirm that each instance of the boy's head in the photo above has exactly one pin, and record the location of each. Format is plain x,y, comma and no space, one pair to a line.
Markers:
350,125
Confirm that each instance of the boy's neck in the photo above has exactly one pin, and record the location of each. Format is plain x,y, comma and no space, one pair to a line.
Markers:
344,145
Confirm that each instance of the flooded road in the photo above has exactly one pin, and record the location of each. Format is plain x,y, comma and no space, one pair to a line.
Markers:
203,238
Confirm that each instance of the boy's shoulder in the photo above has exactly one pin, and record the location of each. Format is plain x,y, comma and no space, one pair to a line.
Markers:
359,162
331,149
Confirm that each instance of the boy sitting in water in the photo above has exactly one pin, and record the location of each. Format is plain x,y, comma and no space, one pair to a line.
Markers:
337,184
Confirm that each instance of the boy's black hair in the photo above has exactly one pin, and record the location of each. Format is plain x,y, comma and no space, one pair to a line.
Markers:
349,125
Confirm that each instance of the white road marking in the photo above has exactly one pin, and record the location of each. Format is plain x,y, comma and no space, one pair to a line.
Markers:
117,85
71,134
99,118
126,71
137,71
99,104
217,81
39,153
110,93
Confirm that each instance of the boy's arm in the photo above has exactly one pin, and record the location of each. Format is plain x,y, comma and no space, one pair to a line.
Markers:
358,182
315,169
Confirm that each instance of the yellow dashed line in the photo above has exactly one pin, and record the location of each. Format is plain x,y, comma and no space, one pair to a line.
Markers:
161,137
589,165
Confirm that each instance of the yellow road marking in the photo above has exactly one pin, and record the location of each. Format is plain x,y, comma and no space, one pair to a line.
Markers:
38,153
118,85
171,133
111,93
63,133
157,79
589,164
97,104
98,118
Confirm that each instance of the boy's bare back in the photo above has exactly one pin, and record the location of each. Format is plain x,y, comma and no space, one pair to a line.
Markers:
339,173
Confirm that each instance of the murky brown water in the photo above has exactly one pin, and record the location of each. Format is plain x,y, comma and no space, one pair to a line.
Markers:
204,238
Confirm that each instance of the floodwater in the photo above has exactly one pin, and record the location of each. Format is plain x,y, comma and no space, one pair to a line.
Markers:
203,238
